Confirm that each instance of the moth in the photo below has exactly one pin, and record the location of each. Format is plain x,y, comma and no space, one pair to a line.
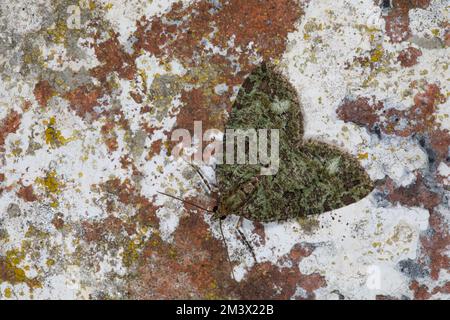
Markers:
313,177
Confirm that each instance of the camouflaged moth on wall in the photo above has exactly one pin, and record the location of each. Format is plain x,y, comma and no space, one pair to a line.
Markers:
313,177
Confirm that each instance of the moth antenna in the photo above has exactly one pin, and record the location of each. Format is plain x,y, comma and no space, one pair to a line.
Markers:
185,201
204,180
226,247
220,226
244,239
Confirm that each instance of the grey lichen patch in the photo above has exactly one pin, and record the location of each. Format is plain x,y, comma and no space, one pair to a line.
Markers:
13,210
44,29
313,177
136,143
413,269
162,91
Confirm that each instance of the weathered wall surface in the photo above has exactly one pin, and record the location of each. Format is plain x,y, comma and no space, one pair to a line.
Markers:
90,92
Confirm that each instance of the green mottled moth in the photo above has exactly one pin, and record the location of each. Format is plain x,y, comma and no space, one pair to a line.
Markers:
313,177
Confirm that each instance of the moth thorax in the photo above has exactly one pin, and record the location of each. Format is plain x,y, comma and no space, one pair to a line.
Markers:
249,187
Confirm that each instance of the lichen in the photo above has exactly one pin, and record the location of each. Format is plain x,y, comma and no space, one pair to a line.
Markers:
59,32
130,253
50,183
8,293
11,270
377,54
53,136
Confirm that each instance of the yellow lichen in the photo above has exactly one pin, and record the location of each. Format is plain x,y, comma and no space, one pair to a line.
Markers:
12,272
34,232
33,55
435,32
377,54
8,293
50,262
131,253
363,156
53,136
58,33
108,6
54,204
172,253
50,183
213,285
87,4
212,295
376,244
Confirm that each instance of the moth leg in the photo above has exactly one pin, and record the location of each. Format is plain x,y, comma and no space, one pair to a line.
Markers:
226,247
244,238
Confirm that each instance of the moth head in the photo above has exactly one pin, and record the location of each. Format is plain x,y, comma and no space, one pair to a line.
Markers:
220,211
230,203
